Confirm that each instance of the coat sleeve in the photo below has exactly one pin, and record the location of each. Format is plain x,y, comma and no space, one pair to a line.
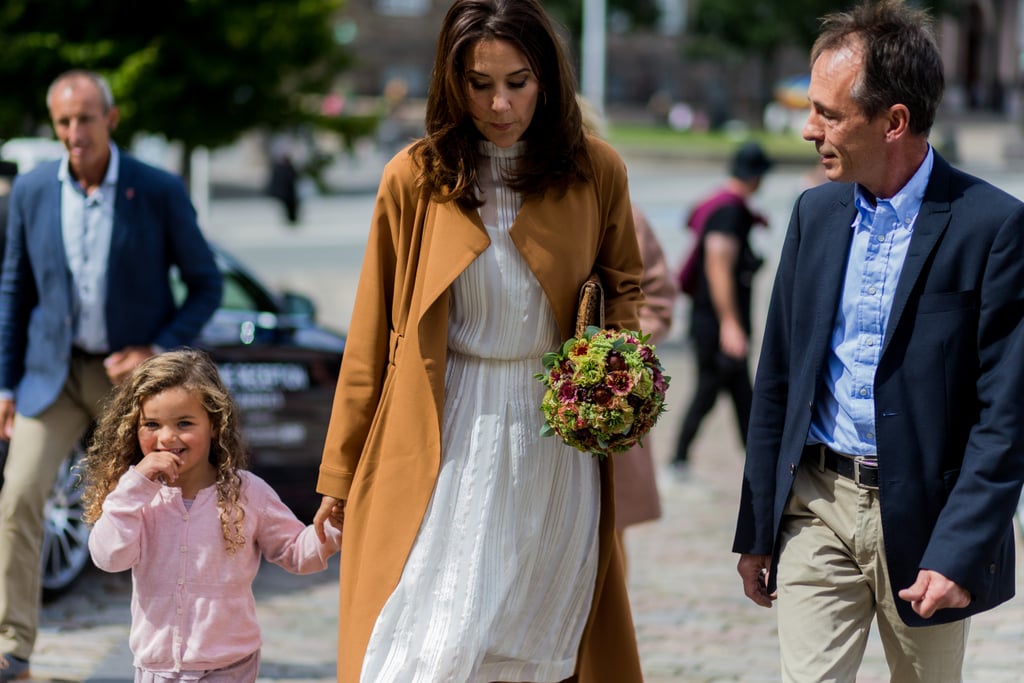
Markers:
979,511
194,259
658,285
365,361
618,261
755,532
18,295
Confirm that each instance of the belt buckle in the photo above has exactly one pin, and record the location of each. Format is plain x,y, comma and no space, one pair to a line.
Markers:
866,462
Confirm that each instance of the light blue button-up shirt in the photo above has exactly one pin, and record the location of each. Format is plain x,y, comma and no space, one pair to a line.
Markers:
87,222
844,410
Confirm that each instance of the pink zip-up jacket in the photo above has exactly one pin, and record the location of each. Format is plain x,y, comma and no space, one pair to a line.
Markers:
192,603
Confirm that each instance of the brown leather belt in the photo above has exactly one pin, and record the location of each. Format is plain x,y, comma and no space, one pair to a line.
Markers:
861,469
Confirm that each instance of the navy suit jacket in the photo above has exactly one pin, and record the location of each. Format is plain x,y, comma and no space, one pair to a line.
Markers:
154,229
948,407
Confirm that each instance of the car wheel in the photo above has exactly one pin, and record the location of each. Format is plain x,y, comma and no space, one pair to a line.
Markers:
65,553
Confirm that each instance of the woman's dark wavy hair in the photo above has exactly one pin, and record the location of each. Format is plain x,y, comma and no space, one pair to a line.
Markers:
556,154
115,443
902,63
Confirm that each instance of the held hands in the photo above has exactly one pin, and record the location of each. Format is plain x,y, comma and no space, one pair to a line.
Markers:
331,510
932,591
753,570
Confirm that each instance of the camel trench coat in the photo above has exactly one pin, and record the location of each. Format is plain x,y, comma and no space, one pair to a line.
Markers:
383,446
636,486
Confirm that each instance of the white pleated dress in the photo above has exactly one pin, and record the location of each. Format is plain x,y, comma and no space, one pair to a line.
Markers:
500,579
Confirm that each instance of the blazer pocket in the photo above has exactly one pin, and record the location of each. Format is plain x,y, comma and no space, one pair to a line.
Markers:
938,302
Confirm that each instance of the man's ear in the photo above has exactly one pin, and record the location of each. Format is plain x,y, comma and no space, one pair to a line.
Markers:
898,122
113,117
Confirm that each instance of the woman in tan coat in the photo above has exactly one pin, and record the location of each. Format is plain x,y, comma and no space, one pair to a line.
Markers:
475,550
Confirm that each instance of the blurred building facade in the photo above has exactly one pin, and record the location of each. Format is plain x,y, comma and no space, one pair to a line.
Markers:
982,43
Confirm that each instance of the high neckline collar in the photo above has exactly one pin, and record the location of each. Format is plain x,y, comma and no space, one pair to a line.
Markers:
489,149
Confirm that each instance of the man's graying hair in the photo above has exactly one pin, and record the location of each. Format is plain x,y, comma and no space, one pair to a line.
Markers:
99,81
901,59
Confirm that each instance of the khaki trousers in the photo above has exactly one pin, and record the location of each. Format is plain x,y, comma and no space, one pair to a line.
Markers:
38,446
833,580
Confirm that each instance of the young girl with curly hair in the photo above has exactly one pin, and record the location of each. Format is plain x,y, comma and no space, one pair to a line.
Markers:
170,499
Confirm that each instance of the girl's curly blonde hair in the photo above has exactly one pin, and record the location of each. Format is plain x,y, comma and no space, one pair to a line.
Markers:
114,447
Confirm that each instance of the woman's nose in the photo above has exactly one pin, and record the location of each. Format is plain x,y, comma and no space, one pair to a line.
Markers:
500,103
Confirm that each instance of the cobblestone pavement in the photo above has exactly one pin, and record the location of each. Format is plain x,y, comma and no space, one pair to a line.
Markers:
693,623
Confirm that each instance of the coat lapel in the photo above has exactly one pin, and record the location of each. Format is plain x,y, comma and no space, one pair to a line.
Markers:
454,237
931,222
124,211
830,270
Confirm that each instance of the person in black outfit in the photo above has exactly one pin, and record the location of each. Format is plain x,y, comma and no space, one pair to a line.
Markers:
720,315
283,186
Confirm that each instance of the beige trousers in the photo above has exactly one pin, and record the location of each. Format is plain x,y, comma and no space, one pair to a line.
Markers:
833,580
38,446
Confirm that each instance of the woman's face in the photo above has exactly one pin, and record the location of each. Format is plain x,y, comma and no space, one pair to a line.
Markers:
502,90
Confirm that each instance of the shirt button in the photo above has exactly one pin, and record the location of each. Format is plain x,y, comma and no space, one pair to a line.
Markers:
871,342
863,392
870,435
179,610
181,581
183,549
871,290
881,238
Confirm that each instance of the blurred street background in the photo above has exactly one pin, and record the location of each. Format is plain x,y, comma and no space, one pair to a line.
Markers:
222,92
693,623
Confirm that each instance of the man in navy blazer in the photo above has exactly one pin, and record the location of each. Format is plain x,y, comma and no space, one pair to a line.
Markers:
85,296
885,454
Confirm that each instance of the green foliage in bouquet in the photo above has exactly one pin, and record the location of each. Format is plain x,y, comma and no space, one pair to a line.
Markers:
606,390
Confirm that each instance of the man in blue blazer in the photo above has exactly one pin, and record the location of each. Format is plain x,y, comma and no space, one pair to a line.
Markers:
85,296
885,454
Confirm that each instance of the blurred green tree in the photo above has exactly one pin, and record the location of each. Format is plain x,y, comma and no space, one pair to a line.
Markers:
201,72
733,31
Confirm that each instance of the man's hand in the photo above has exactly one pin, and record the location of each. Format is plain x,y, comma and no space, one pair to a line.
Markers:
6,418
331,510
932,591
753,570
121,363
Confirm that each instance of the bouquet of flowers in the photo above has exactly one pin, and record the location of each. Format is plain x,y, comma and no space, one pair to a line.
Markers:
606,389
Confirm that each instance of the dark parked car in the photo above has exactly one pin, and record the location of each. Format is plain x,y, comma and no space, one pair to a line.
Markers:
281,367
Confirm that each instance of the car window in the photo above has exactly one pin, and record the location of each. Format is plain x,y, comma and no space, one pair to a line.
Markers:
240,293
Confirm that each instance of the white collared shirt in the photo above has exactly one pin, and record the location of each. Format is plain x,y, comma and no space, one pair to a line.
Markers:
87,223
